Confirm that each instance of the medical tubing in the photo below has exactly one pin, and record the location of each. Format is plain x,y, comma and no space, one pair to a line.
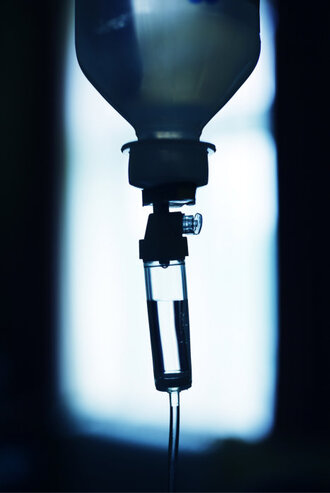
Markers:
173,443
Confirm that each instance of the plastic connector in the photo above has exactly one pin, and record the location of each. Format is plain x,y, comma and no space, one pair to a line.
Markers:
192,225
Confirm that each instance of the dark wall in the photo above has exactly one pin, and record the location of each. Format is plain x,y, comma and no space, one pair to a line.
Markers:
31,165
302,130
37,455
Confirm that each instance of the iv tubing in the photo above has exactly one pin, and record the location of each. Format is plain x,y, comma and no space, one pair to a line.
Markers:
173,443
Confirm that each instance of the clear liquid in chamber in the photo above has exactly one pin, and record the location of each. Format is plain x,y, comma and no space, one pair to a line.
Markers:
169,333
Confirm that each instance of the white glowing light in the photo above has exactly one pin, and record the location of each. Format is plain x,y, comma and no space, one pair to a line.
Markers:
106,366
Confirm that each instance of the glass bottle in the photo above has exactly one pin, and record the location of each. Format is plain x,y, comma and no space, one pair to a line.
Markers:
167,66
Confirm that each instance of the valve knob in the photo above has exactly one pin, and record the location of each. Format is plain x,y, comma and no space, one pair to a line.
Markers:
192,224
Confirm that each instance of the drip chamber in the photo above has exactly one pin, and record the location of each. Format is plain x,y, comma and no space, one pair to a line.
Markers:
167,304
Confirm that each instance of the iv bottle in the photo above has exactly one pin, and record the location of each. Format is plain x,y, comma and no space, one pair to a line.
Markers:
169,324
167,66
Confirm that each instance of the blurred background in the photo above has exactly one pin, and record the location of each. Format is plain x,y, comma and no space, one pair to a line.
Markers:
79,411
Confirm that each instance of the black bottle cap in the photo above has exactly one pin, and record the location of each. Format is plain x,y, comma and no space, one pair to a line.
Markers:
160,162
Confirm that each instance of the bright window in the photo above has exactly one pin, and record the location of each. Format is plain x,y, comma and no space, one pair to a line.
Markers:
106,375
